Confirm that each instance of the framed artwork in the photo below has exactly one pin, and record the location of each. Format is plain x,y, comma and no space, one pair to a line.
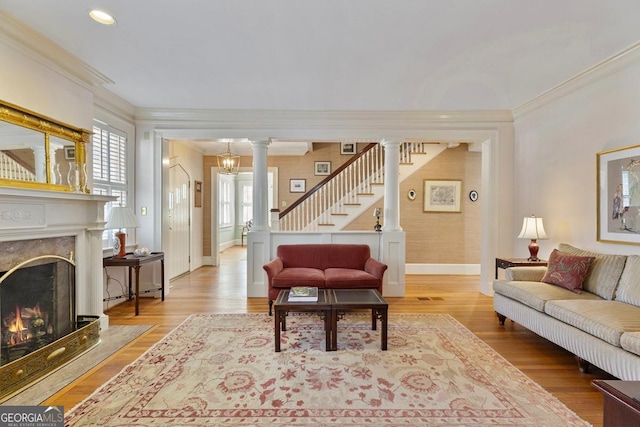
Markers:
69,152
442,195
347,148
297,185
618,195
197,188
322,168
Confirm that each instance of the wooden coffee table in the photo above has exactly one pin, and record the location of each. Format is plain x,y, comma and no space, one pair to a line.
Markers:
621,402
282,306
353,299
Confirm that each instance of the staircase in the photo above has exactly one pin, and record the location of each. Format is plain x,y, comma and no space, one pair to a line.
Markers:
12,169
353,188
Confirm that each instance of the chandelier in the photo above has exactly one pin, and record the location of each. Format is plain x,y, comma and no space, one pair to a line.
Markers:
228,163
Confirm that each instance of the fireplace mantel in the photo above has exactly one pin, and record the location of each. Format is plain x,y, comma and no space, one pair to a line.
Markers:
27,214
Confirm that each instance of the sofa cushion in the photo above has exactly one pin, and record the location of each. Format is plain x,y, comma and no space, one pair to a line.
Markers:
606,320
630,341
323,256
567,271
629,288
604,273
536,294
349,278
290,277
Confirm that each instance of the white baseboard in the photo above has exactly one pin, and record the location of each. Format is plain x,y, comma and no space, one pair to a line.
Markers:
463,269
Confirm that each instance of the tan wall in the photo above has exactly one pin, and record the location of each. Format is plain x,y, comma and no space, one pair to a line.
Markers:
447,238
439,238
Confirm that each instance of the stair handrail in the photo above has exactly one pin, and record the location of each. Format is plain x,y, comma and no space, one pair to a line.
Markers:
335,173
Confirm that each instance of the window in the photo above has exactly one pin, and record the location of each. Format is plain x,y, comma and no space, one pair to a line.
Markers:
247,203
225,218
109,162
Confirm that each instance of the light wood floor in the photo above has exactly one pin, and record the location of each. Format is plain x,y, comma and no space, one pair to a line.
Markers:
222,290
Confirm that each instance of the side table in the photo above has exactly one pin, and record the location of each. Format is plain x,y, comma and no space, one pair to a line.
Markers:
621,402
134,263
516,262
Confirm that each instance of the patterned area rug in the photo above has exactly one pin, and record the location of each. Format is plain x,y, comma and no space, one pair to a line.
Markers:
222,370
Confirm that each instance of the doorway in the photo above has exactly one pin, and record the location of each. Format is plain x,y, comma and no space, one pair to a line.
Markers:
179,221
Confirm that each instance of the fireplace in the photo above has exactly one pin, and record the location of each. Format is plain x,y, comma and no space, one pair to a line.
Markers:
37,305
51,284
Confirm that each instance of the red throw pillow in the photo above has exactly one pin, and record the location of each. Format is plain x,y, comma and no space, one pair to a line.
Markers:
568,271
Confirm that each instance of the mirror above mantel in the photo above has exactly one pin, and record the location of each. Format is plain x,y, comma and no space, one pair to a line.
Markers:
41,153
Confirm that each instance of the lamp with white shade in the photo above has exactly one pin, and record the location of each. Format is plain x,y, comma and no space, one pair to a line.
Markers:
532,228
121,217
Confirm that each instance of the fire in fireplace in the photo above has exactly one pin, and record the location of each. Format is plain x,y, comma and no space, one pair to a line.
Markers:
37,305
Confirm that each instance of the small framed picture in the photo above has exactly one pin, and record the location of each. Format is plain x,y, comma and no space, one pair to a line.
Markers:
197,201
69,152
322,168
297,185
347,148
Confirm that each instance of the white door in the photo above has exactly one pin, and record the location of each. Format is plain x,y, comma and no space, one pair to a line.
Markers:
179,222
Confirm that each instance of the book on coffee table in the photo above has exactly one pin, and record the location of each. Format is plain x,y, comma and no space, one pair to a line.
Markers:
303,294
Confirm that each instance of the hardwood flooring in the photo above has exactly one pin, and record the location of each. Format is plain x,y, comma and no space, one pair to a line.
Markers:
222,289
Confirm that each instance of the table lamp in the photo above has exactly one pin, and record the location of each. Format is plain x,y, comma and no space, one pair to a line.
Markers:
121,217
532,228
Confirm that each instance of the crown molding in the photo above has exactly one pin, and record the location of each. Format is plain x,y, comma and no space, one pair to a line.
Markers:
622,60
108,101
39,48
269,122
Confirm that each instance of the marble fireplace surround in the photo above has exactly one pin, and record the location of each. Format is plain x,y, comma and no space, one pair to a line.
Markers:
27,214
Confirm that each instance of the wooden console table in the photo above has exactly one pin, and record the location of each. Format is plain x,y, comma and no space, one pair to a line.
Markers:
134,263
621,402
516,262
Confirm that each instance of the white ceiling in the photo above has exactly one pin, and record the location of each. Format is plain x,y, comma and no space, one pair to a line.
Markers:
336,54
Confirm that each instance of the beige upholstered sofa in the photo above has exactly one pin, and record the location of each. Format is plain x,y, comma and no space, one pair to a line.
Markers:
600,325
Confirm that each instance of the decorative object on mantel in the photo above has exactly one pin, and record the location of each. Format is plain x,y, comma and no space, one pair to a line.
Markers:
376,213
228,163
532,228
121,217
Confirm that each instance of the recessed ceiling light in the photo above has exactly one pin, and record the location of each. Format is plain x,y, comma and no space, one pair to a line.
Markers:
102,17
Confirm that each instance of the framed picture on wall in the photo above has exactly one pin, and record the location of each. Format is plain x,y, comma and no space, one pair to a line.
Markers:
442,195
69,152
347,148
197,190
618,216
297,185
322,168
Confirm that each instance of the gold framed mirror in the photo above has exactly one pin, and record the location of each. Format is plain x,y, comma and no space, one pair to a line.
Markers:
41,153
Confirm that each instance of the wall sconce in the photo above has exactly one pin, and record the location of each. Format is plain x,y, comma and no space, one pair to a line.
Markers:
376,213
532,228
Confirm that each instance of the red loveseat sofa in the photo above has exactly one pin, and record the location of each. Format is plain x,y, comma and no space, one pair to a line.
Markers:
330,266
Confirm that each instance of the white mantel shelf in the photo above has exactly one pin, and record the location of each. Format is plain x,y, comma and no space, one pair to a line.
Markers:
27,214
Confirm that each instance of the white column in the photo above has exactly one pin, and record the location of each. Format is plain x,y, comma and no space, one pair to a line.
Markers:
40,164
391,185
260,186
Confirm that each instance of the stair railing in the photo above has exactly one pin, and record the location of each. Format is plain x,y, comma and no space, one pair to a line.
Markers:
11,169
329,196
342,188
